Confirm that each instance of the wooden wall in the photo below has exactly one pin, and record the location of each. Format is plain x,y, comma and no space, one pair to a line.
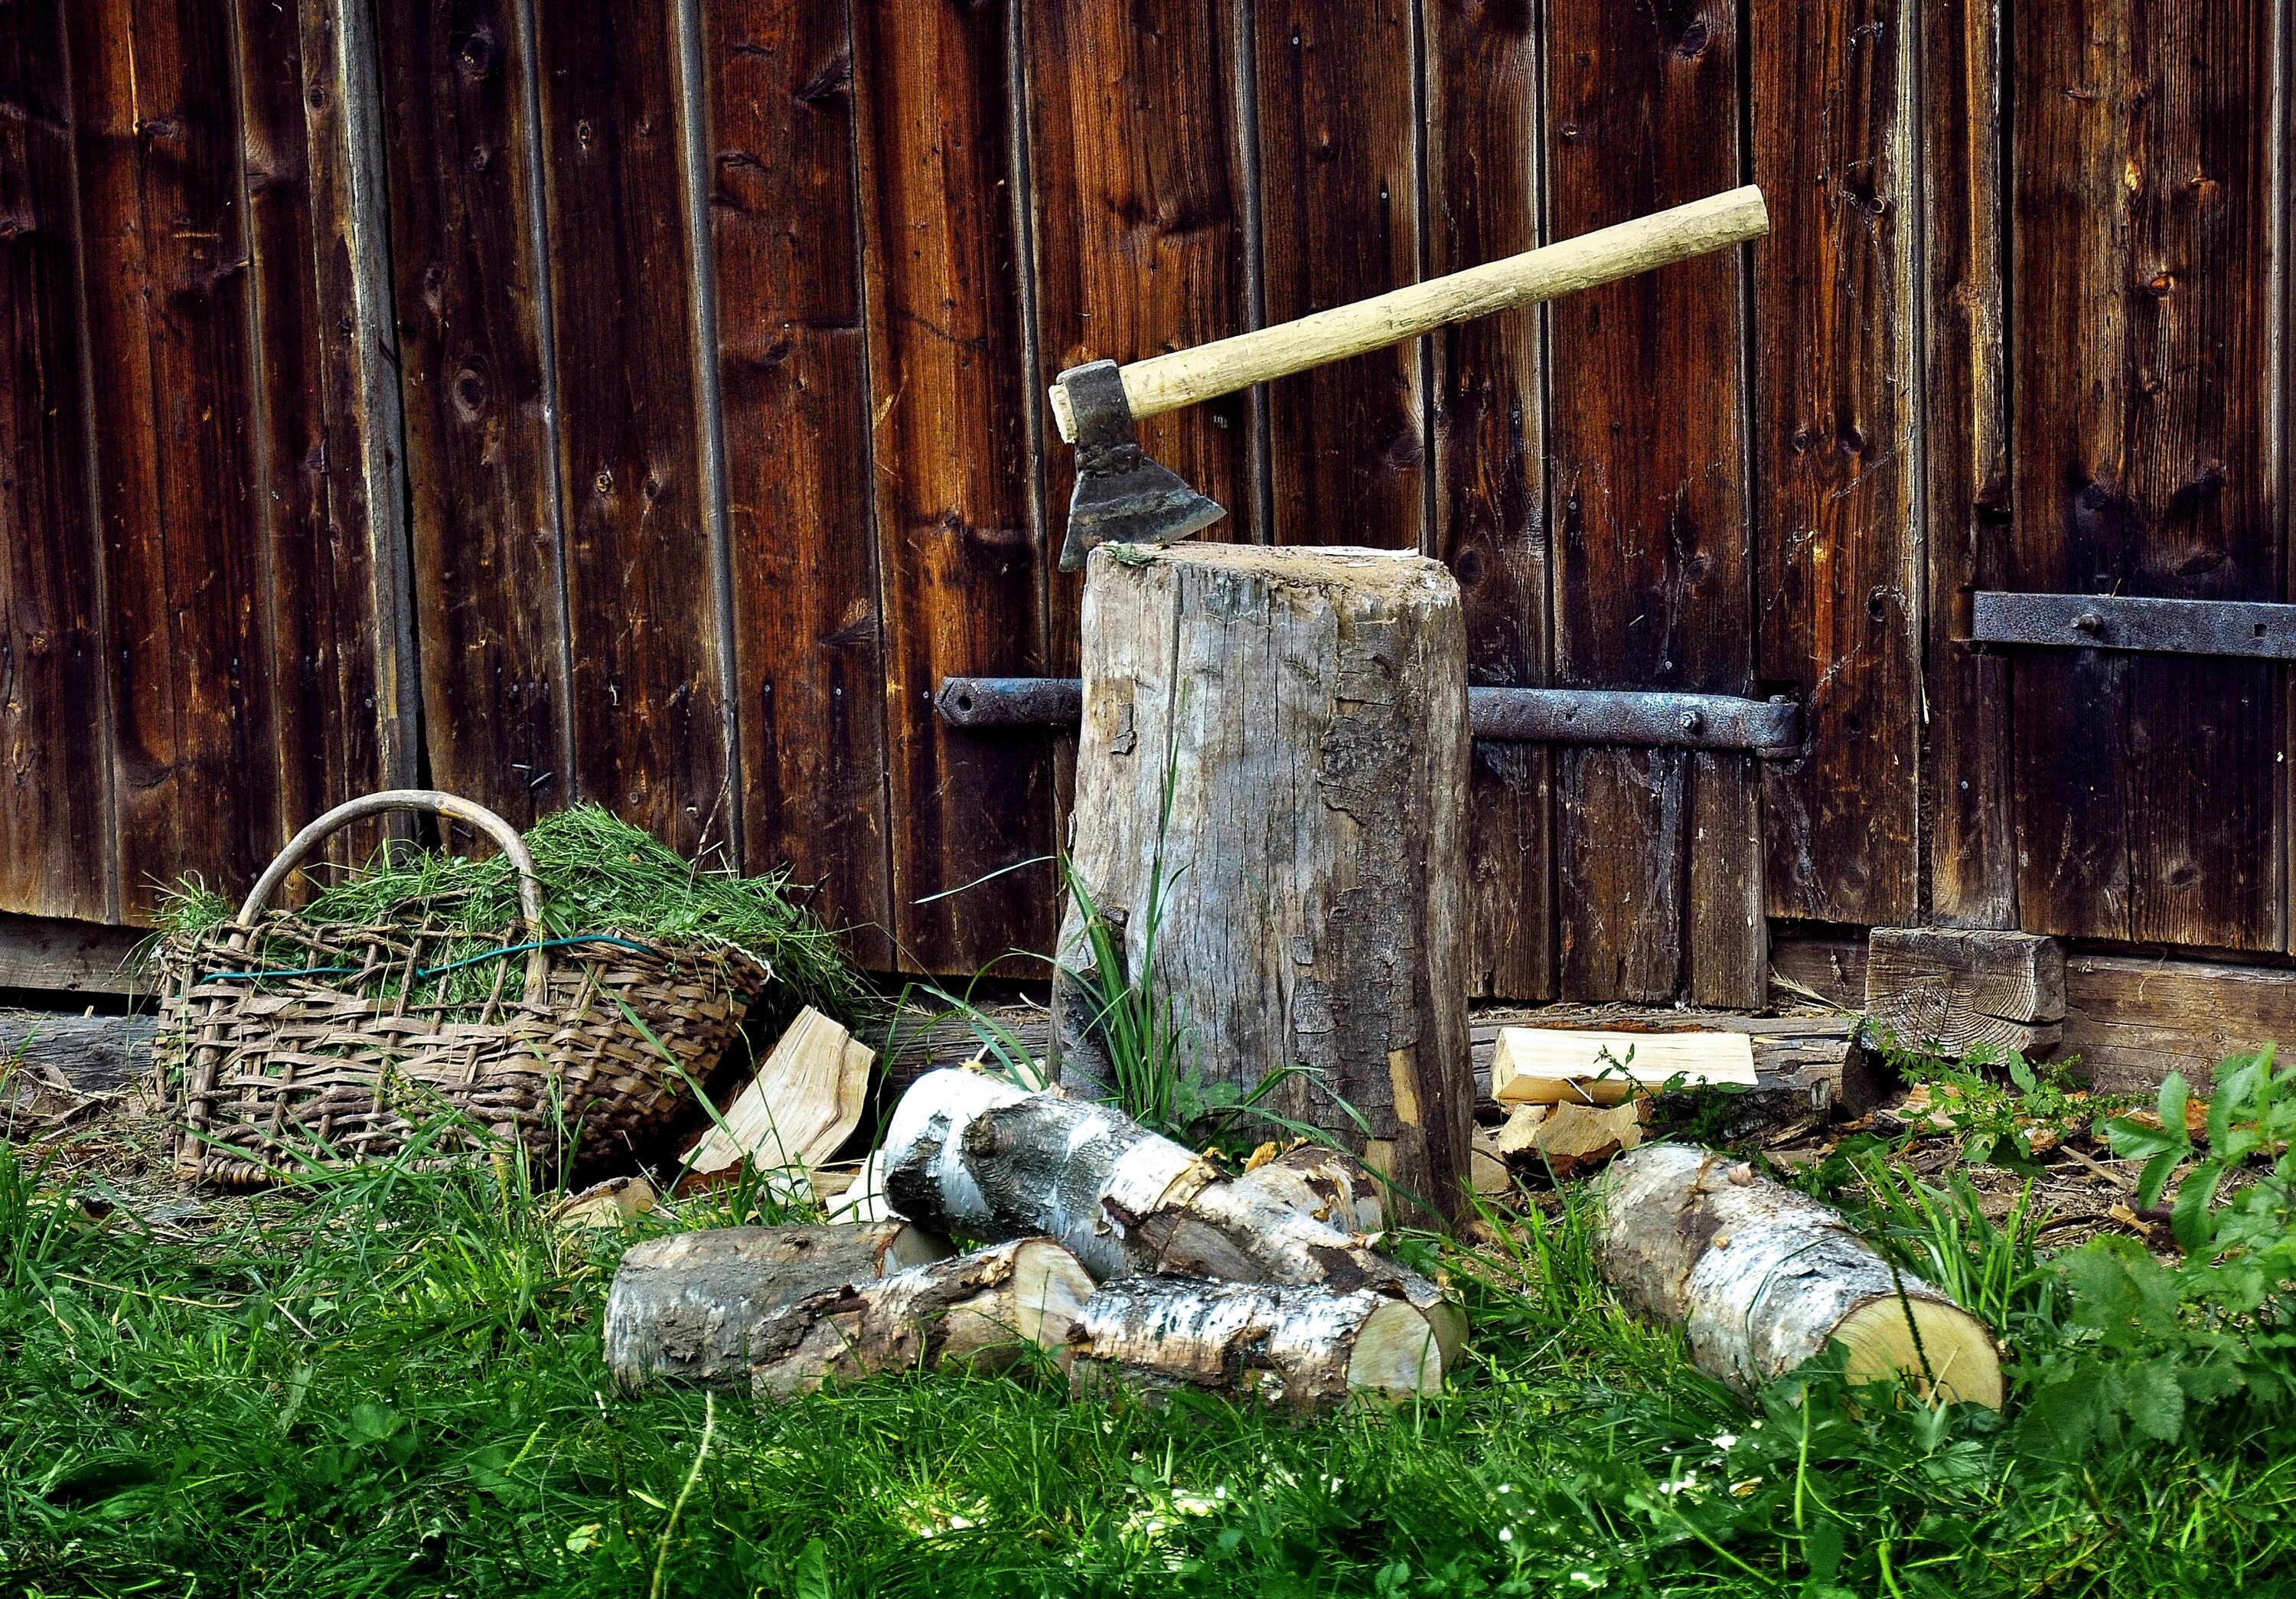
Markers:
557,398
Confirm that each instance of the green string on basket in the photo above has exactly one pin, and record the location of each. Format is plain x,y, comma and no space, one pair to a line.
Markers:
426,972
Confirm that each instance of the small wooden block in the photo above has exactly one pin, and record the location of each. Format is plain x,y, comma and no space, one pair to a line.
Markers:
1952,990
805,1101
1541,1065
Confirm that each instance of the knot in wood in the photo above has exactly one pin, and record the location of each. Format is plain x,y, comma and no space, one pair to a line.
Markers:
986,1139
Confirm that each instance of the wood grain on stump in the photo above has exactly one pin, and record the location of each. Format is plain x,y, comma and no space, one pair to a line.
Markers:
1270,794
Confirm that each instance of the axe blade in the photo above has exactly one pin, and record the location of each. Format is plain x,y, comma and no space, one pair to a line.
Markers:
1121,496
1145,504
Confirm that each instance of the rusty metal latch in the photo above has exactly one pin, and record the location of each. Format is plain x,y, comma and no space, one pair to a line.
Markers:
2122,622
1770,728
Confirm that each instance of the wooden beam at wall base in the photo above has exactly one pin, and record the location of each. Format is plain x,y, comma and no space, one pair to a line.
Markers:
53,954
1953,990
2130,1020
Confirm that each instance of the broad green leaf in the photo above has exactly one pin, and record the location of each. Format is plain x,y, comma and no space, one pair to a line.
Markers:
1821,1548
2191,1220
2155,1176
2022,1074
2156,1400
2103,1295
2134,1141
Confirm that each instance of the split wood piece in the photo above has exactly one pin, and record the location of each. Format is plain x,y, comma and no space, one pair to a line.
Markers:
1303,1350
987,1310
1493,1178
2131,1019
966,1154
804,1103
1568,1139
1552,1066
1762,1278
1809,1069
1951,991
605,1205
1321,915
694,1306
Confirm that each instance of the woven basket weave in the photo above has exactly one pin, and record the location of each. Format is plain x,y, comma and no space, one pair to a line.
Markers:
284,1042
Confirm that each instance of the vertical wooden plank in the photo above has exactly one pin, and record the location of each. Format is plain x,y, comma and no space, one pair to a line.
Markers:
165,248
1833,453
1483,83
640,572
1340,200
480,451
329,645
1970,797
1136,177
55,843
793,369
1660,895
963,572
2146,784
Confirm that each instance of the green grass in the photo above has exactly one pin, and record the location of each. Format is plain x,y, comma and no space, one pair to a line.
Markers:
388,1382
599,874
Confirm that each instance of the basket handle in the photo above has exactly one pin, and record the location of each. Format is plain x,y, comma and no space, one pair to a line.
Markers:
529,885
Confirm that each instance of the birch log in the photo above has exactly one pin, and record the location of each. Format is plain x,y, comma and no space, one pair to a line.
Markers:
1762,1278
968,1154
1303,1350
693,1305
1322,1182
1280,736
986,1309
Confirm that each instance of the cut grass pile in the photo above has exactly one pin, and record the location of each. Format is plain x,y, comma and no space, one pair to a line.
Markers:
387,1382
599,875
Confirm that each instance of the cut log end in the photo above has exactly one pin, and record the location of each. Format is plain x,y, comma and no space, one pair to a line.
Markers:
1049,1287
1396,1354
1762,1278
1944,1351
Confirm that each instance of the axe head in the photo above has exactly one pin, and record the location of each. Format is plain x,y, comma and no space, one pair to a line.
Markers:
1121,496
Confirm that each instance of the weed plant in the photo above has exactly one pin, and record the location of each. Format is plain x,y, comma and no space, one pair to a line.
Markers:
389,1381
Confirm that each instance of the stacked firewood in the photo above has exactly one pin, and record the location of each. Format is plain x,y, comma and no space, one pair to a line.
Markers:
1107,1249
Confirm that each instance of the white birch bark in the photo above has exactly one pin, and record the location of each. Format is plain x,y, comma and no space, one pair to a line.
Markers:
986,1309
1761,1278
691,1305
968,1155
1303,1350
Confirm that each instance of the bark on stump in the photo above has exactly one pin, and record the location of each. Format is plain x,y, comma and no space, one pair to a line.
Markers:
1307,710
1761,1278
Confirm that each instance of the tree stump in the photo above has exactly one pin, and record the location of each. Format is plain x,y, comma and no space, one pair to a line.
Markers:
1270,797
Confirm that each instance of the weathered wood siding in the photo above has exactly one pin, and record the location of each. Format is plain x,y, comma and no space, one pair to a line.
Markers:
583,398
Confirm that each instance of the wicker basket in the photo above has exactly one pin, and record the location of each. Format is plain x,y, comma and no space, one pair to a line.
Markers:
284,1041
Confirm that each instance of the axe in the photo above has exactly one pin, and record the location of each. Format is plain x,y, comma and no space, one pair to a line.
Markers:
1121,496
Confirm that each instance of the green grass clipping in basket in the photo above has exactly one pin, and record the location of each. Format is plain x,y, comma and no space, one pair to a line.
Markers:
599,875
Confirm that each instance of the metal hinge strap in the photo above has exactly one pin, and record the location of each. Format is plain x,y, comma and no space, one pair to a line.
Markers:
1771,728
2123,622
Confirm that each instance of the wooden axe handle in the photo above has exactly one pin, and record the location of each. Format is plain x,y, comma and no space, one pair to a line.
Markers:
1184,377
